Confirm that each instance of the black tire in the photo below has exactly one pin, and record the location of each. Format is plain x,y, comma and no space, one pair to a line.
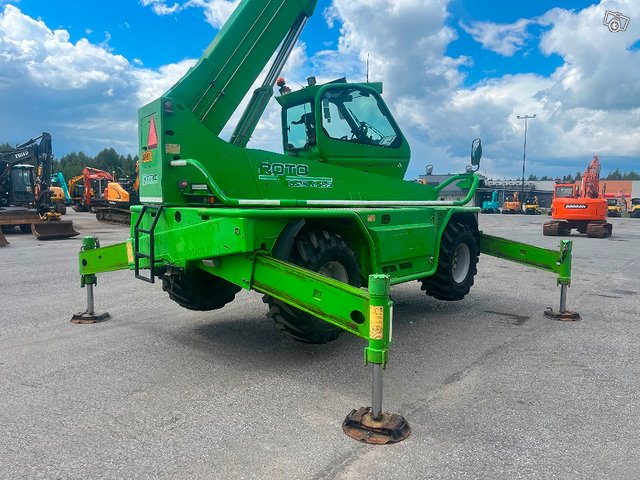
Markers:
198,290
322,252
457,263
25,228
60,208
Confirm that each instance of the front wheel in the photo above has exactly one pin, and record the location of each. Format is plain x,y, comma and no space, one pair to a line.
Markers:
329,255
457,263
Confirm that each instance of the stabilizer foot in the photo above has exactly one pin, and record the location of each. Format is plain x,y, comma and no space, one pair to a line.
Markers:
86,317
389,428
565,316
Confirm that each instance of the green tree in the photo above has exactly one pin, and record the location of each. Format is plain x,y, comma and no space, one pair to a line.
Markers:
615,175
532,178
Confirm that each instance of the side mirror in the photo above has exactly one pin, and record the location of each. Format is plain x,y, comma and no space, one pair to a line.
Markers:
476,153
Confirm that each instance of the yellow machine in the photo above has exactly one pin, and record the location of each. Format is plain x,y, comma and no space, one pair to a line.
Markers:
58,198
614,209
531,207
634,210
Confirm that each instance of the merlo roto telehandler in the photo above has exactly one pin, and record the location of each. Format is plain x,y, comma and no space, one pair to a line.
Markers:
307,227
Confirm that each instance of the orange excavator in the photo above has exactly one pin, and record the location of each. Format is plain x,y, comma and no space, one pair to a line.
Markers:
89,194
579,208
120,196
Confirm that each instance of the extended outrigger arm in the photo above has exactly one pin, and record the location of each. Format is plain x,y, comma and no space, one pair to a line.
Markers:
366,314
556,261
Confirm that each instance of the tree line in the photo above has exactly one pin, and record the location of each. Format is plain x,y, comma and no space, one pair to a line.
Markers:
72,164
615,175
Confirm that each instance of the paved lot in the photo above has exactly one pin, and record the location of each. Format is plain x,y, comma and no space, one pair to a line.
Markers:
490,387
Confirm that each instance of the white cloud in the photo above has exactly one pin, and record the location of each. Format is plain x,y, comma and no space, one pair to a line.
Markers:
81,93
588,105
160,7
502,39
216,11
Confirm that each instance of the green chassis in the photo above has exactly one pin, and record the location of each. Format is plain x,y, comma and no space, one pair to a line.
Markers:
235,244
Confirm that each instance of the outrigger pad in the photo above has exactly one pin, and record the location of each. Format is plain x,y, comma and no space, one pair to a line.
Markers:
361,426
86,317
563,316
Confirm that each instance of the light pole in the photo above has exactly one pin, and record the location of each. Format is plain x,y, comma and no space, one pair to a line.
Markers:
524,150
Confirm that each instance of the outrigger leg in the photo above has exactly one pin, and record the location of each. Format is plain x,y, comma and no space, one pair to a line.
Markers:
564,280
556,261
89,280
371,424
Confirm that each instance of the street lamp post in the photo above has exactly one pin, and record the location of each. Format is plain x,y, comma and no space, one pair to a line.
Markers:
524,150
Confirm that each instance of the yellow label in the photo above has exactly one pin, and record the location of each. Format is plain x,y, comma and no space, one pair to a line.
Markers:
172,148
129,252
376,322
147,156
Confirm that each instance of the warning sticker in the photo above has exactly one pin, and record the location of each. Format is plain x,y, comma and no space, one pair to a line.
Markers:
376,322
129,252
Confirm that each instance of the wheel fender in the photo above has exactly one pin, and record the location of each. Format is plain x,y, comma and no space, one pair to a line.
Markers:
282,248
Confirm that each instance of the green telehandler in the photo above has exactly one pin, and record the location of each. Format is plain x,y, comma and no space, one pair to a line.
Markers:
307,227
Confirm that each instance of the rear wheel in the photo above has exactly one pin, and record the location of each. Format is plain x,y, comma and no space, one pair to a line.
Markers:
198,290
328,254
457,264
25,228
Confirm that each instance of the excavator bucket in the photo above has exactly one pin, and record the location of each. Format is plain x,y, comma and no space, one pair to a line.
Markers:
53,230
3,240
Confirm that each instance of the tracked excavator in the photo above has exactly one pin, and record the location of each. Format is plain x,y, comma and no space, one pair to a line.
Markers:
25,194
87,189
119,197
578,208
308,227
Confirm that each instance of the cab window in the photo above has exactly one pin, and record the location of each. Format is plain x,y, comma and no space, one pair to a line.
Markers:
301,129
357,115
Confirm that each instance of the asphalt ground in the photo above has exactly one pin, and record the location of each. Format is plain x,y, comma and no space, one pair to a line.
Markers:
490,387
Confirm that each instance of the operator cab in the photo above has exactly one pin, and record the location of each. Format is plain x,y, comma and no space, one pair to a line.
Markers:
22,184
345,124
565,191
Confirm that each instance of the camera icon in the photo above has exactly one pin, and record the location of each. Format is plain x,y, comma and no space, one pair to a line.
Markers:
615,21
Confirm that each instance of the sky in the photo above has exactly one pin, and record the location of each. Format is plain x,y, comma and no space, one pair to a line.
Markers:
453,70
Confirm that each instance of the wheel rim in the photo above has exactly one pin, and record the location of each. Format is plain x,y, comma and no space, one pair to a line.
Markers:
461,263
335,270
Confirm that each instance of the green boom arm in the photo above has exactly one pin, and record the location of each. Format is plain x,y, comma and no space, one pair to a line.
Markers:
216,85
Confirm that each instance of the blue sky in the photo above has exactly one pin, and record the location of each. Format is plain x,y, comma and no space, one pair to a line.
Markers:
452,70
